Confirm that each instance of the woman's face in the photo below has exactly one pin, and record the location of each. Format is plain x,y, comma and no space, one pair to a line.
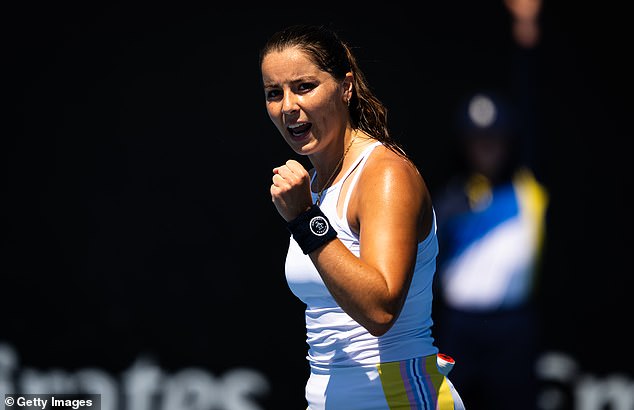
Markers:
306,104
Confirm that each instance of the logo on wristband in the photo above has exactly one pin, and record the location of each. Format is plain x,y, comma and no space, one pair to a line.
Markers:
318,225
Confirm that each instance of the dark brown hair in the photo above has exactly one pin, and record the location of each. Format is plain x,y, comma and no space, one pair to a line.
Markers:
334,56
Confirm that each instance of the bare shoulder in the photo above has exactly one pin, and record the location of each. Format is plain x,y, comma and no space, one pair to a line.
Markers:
387,170
391,191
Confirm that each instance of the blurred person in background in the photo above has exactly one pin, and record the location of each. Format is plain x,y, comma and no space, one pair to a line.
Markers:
491,230
525,28
491,226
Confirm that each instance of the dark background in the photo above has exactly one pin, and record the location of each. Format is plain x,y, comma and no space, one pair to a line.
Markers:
138,154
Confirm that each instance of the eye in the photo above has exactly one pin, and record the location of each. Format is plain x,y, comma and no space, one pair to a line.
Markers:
272,94
307,86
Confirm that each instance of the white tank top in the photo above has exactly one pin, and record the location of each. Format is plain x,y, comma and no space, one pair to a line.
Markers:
333,337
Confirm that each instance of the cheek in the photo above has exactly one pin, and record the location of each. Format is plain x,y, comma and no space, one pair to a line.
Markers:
325,113
274,113
276,119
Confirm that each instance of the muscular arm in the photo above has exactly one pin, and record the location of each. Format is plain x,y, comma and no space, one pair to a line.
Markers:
389,206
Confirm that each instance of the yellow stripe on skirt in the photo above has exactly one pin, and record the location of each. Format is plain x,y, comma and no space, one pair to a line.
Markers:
415,384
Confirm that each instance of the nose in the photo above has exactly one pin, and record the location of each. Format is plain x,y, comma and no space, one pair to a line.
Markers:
289,103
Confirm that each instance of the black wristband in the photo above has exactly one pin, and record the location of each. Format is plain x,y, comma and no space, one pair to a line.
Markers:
311,229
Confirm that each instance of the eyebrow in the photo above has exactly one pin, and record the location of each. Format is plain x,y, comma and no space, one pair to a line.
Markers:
292,82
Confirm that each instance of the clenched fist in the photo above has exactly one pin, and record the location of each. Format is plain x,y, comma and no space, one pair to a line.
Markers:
290,190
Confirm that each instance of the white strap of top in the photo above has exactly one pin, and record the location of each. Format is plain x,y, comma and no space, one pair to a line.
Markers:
361,162
350,168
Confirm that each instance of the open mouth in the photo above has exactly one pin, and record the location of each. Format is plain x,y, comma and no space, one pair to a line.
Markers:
299,130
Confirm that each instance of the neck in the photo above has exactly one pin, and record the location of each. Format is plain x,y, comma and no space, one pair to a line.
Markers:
332,163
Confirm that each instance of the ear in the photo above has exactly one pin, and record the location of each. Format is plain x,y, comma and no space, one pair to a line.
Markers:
347,87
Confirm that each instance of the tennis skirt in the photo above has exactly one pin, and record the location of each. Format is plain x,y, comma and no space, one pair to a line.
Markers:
404,385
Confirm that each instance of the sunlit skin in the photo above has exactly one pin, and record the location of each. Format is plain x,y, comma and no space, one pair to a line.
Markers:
390,207
298,92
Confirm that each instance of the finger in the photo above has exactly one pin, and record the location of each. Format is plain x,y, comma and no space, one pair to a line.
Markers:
288,174
275,192
296,167
277,197
279,181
